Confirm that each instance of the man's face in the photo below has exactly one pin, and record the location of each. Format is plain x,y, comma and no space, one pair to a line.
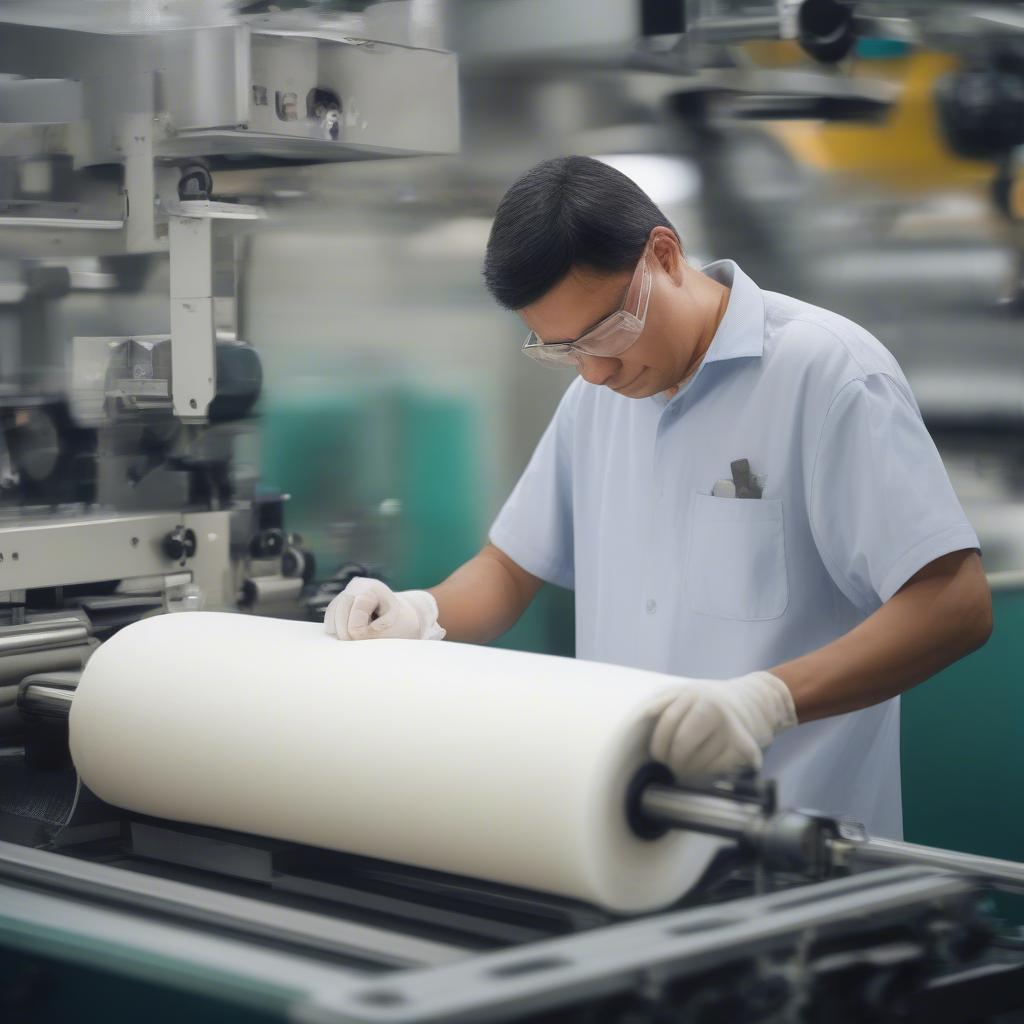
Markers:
655,362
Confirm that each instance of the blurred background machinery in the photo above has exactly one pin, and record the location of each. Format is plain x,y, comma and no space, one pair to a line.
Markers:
862,156
186,216
128,386
866,162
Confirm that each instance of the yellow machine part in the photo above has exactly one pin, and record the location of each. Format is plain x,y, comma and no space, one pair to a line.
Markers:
903,151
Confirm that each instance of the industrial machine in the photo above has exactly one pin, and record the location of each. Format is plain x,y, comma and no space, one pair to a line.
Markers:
801,917
120,499
120,495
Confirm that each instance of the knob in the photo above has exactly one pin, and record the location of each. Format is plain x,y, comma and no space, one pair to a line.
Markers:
180,544
267,544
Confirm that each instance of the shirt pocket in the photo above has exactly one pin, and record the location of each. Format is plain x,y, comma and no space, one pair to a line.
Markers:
736,558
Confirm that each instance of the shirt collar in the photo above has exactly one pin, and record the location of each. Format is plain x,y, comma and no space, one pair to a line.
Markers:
741,330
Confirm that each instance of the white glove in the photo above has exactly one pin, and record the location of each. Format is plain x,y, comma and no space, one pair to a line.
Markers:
370,610
715,725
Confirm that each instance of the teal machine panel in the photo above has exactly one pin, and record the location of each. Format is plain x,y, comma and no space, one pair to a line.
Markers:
963,749
348,454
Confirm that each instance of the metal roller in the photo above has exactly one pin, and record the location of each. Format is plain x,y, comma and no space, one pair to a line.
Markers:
45,700
781,840
262,591
18,666
855,847
816,843
42,635
44,624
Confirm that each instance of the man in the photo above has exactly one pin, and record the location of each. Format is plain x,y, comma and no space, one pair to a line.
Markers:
739,487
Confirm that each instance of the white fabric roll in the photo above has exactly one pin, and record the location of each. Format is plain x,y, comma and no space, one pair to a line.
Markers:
501,765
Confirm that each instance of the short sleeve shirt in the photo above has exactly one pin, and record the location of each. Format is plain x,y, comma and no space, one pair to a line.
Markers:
617,503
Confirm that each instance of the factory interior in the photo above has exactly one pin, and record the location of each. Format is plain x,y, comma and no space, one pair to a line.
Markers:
248,356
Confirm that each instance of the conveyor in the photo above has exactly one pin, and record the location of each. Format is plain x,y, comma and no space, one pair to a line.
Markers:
801,912
813,845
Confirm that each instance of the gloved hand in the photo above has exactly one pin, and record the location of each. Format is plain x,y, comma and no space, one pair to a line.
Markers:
715,725
370,610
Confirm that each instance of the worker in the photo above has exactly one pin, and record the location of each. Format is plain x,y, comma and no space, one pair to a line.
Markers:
738,486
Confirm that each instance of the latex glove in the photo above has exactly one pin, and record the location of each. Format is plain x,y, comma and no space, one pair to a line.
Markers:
370,610
715,725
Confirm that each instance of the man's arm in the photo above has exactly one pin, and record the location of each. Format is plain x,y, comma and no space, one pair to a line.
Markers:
485,597
940,614
477,603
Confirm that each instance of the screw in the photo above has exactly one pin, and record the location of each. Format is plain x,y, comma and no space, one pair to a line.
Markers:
135,542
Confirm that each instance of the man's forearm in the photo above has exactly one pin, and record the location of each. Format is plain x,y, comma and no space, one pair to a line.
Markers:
941,614
483,598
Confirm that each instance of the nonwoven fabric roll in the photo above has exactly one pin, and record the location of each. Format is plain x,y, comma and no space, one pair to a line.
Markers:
501,765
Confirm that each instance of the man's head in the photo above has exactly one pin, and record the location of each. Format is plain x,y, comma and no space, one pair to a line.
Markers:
564,248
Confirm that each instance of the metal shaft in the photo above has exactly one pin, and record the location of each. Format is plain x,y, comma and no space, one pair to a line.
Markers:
717,816
820,843
871,852
46,701
38,637
45,624
741,29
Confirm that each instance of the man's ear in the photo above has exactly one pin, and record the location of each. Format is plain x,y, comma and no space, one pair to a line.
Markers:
668,252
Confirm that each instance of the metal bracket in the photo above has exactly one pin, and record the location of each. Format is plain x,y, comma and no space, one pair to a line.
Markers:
193,326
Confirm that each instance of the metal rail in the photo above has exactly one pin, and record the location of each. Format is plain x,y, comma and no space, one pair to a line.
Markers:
868,851
253,918
654,952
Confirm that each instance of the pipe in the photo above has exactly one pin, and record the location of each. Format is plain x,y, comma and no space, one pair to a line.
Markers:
42,639
43,624
866,851
46,701
818,843
714,815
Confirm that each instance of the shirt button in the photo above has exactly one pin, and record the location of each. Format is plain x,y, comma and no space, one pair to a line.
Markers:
651,606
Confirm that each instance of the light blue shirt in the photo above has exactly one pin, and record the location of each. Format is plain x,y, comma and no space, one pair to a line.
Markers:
616,503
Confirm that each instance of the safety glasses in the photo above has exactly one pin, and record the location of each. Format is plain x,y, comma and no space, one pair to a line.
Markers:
611,337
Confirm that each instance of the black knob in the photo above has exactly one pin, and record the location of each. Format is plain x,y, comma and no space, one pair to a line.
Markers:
195,182
826,28
267,544
247,596
180,544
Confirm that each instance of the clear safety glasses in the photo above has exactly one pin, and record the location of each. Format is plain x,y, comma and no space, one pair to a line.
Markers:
611,337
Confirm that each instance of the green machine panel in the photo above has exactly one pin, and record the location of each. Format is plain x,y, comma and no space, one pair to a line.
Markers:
963,749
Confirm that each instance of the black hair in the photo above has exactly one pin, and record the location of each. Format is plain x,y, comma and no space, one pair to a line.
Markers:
566,212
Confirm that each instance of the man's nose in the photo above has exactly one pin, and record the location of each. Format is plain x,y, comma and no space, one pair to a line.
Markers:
598,369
